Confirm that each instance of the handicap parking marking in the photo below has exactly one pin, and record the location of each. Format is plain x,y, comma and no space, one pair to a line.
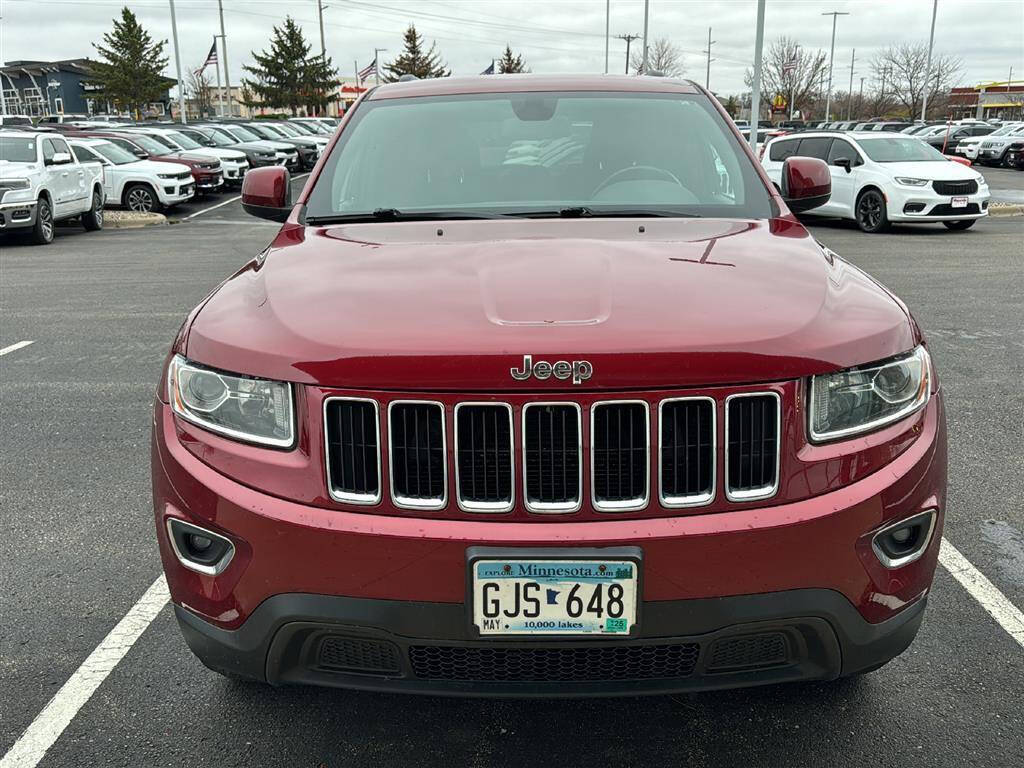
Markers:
15,347
995,603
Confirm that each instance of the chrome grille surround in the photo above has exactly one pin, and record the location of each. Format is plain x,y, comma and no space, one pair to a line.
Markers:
350,498
487,506
767,491
695,500
554,508
623,505
408,502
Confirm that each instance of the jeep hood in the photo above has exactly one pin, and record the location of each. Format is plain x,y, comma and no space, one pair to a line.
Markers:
650,303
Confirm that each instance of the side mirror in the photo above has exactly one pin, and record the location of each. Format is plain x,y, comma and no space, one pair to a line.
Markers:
59,158
843,162
267,193
806,183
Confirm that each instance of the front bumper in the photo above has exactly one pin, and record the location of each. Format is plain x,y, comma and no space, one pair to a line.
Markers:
209,182
234,174
908,204
685,645
803,570
991,155
17,215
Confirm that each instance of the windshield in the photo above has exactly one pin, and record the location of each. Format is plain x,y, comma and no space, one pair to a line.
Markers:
17,150
152,147
113,153
523,153
184,141
303,128
218,139
241,133
287,130
900,150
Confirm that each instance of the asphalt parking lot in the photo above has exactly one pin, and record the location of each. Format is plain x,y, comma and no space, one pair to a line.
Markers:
77,547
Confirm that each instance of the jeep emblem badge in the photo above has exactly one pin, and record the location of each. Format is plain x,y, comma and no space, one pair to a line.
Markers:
578,370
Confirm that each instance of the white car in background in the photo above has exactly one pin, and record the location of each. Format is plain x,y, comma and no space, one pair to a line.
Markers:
992,150
880,177
970,146
131,182
233,162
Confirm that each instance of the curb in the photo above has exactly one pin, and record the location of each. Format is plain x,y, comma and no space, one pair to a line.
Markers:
131,220
1005,210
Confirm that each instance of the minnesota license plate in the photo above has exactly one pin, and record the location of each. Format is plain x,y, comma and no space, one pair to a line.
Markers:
513,596
959,202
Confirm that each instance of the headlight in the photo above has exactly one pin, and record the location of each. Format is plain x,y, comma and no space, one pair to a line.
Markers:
167,175
14,184
862,399
909,181
981,181
241,407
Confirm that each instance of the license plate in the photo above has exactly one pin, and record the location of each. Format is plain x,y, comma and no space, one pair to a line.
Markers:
959,202
564,596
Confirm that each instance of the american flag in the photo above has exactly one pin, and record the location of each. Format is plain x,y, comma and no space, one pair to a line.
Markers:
368,70
210,59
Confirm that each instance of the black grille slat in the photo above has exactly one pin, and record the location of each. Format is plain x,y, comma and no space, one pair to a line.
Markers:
552,455
417,454
619,453
352,449
964,187
484,455
687,450
752,445
546,664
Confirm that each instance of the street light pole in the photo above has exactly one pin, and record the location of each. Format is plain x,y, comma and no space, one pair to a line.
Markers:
320,12
849,101
647,7
831,59
707,77
177,65
224,56
755,93
928,66
607,31
376,65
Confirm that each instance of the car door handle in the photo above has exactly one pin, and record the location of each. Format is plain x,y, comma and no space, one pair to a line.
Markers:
64,174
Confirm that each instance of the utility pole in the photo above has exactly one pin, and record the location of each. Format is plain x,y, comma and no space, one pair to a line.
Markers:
831,60
792,87
755,93
376,65
860,98
177,64
707,76
607,29
647,8
629,39
849,100
224,56
928,67
320,13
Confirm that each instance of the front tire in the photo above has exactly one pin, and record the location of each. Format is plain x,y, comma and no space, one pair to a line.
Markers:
92,219
960,225
42,230
870,212
142,199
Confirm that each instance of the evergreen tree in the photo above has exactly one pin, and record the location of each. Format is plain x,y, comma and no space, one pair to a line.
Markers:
509,64
287,76
130,73
413,60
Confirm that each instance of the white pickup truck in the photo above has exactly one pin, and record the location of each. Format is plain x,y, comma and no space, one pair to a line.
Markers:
41,183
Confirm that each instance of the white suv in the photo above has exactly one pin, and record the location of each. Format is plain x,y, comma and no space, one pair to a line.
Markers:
132,182
234,163
880,177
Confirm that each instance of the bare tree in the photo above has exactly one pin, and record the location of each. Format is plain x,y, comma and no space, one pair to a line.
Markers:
662,55
199,91
790,71
903,67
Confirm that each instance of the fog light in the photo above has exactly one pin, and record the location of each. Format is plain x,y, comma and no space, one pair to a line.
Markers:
198,549
903,542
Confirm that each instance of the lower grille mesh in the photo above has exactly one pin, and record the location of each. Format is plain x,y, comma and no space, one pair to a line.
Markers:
637,662
763,650
358,655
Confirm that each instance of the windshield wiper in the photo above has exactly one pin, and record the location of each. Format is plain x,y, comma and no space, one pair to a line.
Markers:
393,214
583,211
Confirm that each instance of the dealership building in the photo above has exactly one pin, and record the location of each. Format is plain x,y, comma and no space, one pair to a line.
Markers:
39,88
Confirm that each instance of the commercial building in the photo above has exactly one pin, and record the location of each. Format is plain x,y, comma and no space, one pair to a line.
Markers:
985,101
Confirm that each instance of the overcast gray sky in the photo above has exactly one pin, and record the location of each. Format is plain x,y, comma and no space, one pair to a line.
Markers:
552,35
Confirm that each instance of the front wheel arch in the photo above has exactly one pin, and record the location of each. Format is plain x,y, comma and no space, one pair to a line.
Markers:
884,224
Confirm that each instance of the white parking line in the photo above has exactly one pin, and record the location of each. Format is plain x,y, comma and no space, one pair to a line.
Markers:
58,714
1008,616
230,200
15,347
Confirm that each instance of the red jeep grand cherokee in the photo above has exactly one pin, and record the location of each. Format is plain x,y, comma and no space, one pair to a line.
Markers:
541,389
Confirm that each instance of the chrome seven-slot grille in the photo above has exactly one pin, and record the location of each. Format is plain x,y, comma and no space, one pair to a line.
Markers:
484,453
